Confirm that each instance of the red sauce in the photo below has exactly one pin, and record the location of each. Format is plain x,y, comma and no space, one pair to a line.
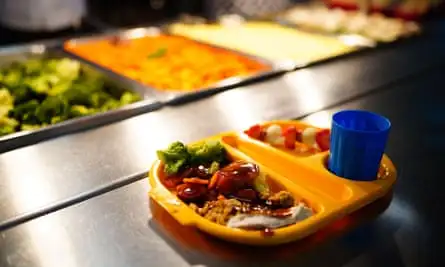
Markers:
267,232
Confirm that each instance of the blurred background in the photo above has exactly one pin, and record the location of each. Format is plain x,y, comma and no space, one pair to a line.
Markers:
28,20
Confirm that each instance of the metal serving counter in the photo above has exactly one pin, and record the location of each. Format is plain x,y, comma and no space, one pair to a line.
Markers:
118,229
52,171
123,228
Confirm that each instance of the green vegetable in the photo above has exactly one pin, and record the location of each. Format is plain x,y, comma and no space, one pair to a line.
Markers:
23,94
39,84
6,99
158,53
80,111
64,68
6,102
110,104
128,98
39,92
206,152
174,157
53,106
98,99
25,112
214,167
30,127
32,66
177,155
260,185
12,78
7,125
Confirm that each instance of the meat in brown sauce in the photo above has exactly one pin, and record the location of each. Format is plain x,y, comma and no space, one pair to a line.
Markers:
231,194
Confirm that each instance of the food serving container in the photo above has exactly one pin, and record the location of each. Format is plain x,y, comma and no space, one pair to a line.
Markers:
350,43
331,197
23,138
174,96
410,28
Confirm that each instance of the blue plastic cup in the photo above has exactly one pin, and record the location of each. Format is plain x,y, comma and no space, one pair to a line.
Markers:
358,141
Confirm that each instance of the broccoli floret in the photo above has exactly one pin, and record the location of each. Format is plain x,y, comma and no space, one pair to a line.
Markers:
59,88
79,111
25,112
30,127
206,152
177,155
12,78
57,119
6,99
128,98
260,185
214,167
174,157
110,104
7,125
32,66
64,68
6,102
22,94
53,106
92,84
98,99
38,84
78,95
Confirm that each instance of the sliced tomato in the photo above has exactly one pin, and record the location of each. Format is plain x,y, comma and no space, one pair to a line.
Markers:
322,138
254,132
299,135
263,135
290,137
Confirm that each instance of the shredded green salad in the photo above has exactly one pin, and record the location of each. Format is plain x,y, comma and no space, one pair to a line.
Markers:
40,92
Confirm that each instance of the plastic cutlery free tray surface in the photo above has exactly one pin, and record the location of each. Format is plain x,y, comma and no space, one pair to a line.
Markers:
305,177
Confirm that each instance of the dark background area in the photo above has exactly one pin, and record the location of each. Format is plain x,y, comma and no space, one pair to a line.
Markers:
108,14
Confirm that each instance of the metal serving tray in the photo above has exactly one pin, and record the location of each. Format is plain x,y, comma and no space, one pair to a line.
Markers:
360,43
355,39
24,138
176,97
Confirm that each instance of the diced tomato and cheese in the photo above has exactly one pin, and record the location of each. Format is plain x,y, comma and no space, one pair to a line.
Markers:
291,138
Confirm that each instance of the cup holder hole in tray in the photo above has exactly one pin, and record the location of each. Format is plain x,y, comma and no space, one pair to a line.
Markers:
296,172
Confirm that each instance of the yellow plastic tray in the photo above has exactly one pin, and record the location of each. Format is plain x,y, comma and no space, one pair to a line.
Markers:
331,197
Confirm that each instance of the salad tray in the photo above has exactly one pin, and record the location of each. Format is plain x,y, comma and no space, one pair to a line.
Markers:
22,138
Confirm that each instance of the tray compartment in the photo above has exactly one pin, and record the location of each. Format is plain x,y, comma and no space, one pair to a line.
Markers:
187,217
292,168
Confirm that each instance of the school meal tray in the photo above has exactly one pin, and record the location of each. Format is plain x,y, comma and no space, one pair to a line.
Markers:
158,60
24,136
299,168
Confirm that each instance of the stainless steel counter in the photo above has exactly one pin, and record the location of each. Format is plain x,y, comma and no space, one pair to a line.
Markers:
122,228
45,174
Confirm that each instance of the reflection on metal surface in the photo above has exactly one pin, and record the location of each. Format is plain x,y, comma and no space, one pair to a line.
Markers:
402,211
320,119
233,108
305,83
51,236
34,191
